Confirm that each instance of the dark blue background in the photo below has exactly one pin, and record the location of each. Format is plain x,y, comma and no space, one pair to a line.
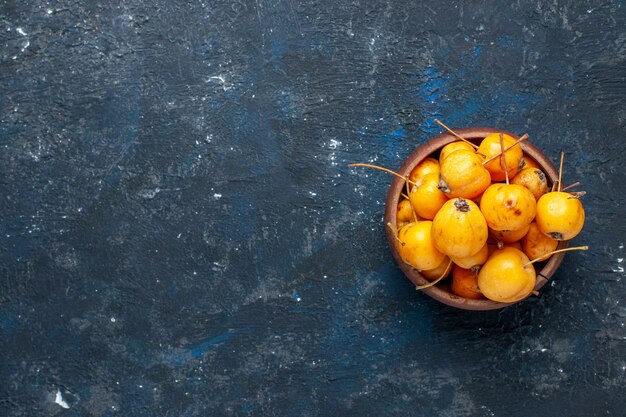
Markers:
181,235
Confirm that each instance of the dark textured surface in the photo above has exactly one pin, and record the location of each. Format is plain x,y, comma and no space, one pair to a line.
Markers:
181,236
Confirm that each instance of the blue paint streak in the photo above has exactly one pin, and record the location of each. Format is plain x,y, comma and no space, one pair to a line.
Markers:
182,358
431,98
430,127
7,323
477,51
397,134
434,86
507,42
277,50
390,144
202,348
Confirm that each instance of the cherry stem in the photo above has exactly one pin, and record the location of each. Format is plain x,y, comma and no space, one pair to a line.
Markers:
381,169
503,158
412,209
577,194
561,170
523,138
554,252
576,184
430,284
455,134
395,232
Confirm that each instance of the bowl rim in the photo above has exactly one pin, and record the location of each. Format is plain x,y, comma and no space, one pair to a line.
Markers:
393,196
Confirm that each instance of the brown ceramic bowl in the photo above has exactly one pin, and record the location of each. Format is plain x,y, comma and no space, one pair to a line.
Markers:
432,148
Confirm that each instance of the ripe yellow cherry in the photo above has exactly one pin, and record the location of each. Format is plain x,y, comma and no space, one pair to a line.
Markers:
443,269
462,175
425,196
509,236
417,247
536,245
459,228
507,276
473,261
508,206
560,215
453,147
534,179
427,166
405,211
490,146
465,283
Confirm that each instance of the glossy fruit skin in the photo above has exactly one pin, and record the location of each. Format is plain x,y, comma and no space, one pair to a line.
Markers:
453,147
506,277
560,215
425,196
462,175
427,166
537,245
490,146
508,206
444,269
459,228
509,236
465,283
417,247
534,179
474,260
405,211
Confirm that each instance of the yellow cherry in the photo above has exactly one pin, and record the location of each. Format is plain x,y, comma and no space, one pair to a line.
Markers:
459,228
427,166
507,276
462,175
490,146
534,179
453,147
425,196
536,245
560,215
508,206
473,261
465,283
417,247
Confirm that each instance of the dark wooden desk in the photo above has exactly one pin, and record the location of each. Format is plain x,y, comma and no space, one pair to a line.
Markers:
181,235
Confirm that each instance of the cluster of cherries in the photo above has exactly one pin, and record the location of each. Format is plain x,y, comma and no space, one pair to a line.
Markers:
485,213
